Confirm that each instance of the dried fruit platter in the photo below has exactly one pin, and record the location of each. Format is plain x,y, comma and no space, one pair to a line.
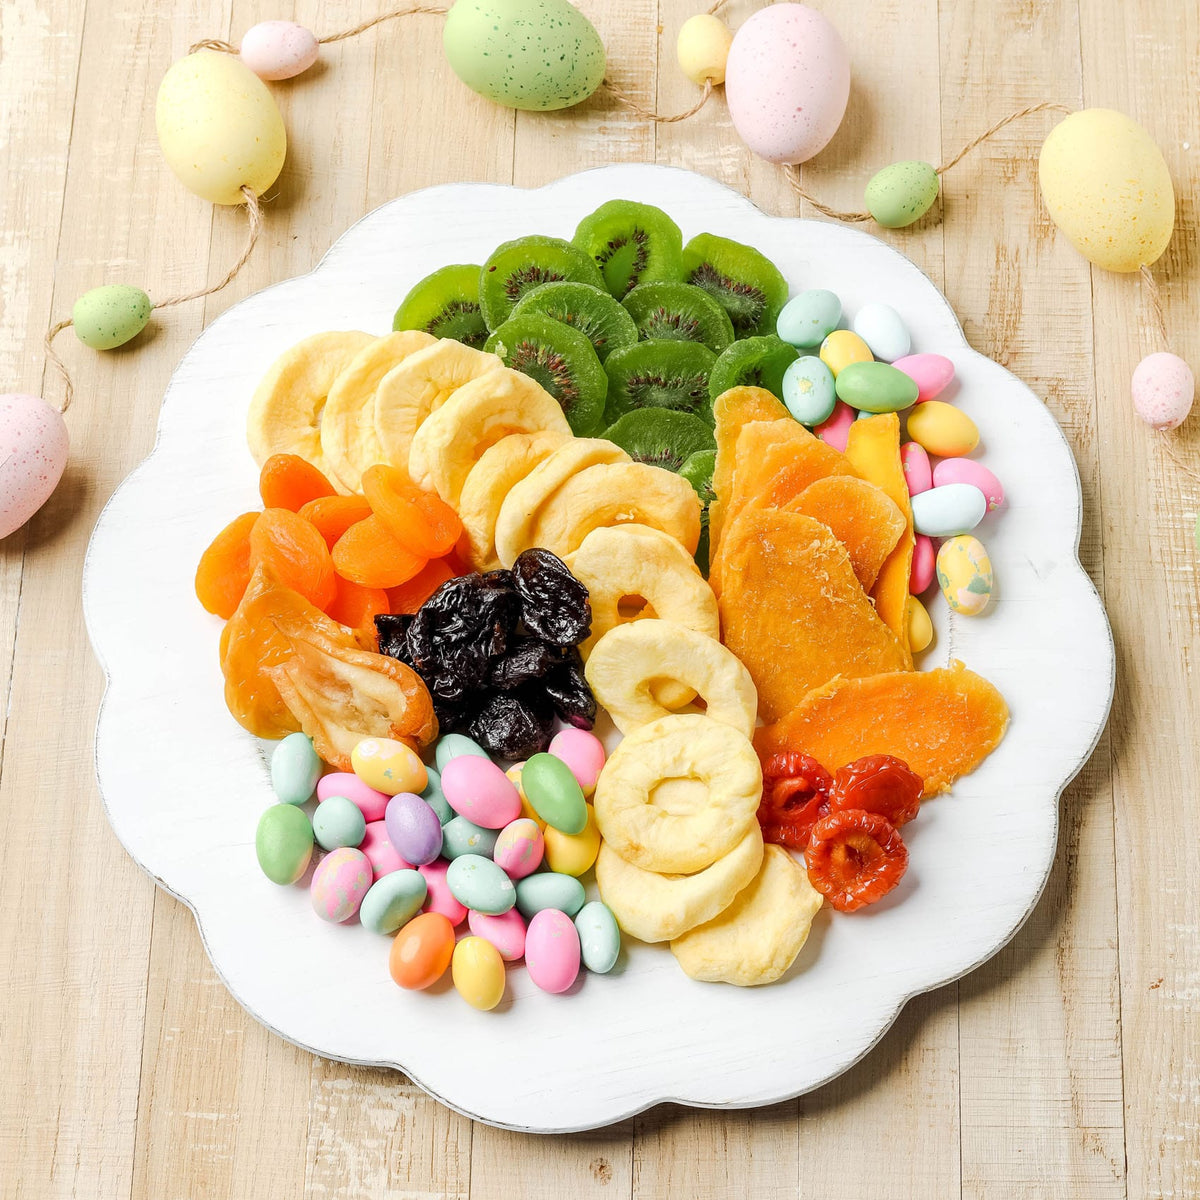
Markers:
178,777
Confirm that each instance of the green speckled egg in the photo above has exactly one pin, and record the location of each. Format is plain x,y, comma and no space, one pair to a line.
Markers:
531,54
110,316
901,194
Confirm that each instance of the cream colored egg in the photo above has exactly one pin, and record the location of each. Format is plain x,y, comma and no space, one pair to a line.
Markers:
703,48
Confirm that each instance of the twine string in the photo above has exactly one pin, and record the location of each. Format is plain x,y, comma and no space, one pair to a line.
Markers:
622,97
1152,294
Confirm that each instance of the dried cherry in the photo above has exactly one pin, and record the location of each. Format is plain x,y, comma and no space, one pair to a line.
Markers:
855,858
795,797
555,603
878,783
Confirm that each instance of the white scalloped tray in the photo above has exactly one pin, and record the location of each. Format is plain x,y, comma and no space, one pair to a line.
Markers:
184,785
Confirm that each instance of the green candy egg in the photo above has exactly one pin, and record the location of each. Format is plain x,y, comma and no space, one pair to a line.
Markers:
393,900
549,889
530,54
284,843
460,836
435,797
808,390
876,387
110,316
338,822
555,793
478,884
599,937
295,769
901,194
451,745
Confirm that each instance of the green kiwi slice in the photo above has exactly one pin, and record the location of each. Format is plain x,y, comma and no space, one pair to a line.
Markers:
562,360
671,375
445,304
752,362
697,469
527,262
660,437
631,243
593,312
675,312
745,283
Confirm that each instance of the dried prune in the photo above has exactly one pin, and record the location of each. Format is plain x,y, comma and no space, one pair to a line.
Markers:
452,714
393,636
570,694
526,659
555,604
514,724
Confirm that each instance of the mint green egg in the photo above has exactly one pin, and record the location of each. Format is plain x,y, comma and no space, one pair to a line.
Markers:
460,836
808,390
435,797
530,54
451,745
901,193
393,900
876,387
478,884
284,843
338,822
599,937
295,769
110,316
549,889
552,789
809,318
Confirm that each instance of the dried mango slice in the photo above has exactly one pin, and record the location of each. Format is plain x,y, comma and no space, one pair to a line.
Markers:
942,723
793,611
777,460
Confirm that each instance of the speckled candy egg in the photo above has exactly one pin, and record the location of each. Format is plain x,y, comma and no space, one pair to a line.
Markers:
339,884
279,49
109,316
33,455
964,573
1163,390
787,82
901,194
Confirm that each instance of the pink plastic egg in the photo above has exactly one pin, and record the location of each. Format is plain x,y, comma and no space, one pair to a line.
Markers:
924,565
371,803
339,884
279,49
440,898
33,455
506,932
519,848
552,950
382,854
1163,390
931,373
967,470
917,472
583,752
477,789
835,431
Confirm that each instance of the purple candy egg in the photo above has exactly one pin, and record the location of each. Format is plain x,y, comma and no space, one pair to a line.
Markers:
413,828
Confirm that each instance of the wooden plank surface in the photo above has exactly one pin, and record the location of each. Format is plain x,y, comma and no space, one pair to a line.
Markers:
1066,1067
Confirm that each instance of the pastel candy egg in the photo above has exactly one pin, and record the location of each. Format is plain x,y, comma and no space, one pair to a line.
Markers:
835,431
964,573
702,48
942,429
573,854
33,455
843,347
477,789
338,822
1163,390
924,565
931,373
339,883
918,474
451,745
519,848
462,836
884,331
875,387
435,797
599,937
554,793
583,752
920,627
278,49
295,769
809,318
341,783
439,898
479,884
808,390
283,843
901,193
392,901
787,82
549,889
383,855
948,510
388,766
421,951
967,470
514,774
110,316
1107,187
413,828
506,931
478,973
552,950
219,127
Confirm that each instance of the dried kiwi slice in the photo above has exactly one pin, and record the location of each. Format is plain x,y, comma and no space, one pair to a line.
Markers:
446,305
675,312
660,437
525,263
593,312
562,360
631,243
698,471
671,375
752,362
745,283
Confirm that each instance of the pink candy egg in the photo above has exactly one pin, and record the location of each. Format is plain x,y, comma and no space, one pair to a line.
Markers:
1163,390
371,803
381,852
924,565
552,950
441,899
583,752
519,848
931,373
967,470
787,82
917,472
477,789
835,431
278,49
339,884
506,932
33,455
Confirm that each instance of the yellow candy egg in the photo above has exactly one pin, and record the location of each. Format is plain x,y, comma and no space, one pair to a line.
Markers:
388,766
527,809
964,574
573,854
843,347
703,48
920,627
940,428
219,127
478,973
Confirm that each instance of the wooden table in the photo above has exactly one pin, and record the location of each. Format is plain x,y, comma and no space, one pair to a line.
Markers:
1065,1067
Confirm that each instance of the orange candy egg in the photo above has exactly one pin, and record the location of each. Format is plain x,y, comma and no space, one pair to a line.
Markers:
421,951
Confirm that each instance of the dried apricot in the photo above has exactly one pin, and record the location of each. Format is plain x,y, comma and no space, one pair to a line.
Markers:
356,606
295,553
224,568
422,522
288,481
408,597
368,554
333,515
855,858
878,783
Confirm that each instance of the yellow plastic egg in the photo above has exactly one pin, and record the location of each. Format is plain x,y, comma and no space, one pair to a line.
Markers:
1108,189
940,428
843,347
388,766
219,127
920,627
478,973
703,48
573,854
527,809
964,573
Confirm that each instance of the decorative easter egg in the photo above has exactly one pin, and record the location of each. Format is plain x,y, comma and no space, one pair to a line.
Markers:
808,390
462,836
1163,390
884,331
530,54
478,973
435,797
702,48
392,901
440,899
964,574
967,470
378,848
573,854
451,745
481,885
552,950
787,82
554,793
918,474
930,372
809,318
279,49
110,316
477,789
338,822
219,127
33,455
1107,187
506,931
388,766
372,804
283,843
942,430
924,565
421,951
901,193
599,937
843,347
519,848
875,387
920,627
549,889
949,510
339,883
295,769
835,432
413,828
583,752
